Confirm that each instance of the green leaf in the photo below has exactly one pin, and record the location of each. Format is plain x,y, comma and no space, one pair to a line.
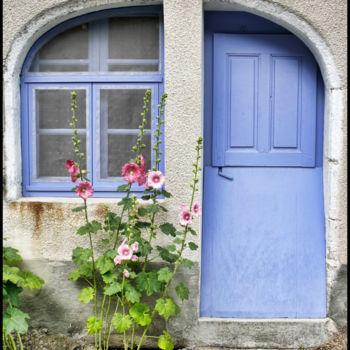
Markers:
74,275
192,246
14,320
164,275
111,254
187,263
193,232
94,325
166,255
30,280
126,202
182,291
145,198
112,221
166,307
104,264
148,282
86,269
142,211
81,255
139,313
177,240
121,323
109,277
131,294
95,226
166,194
144,247
163,208
86,295
11,292
165,342
10,255
113,288
11,274
78,209
153,208
123,188
83,230
171,248
168,229
142,224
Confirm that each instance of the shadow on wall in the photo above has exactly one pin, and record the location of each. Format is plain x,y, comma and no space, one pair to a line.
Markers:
338,300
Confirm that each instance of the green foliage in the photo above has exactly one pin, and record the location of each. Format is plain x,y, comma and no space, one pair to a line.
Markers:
90,227
78,209
14,320
139,313
81,255
166,255
11,293
30,280
109,277
168,229
166,307
182,291
94,325
142,211
192,246
187,263
86,295
104,264
113,288
165,342
148,282
121,323
131,293
10,255
164,275
122,188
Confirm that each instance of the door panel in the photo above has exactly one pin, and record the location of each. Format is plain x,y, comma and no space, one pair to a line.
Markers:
264,101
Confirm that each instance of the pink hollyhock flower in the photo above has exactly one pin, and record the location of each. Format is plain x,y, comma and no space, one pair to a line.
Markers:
72,169
134,258
185,218
125,251
155,179
118,260
196,209
131,172
142,179
135,246
84,190
126,273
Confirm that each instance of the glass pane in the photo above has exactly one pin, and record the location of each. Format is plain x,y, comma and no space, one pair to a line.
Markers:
72,44
63,68
53,152
54,108
133,38
119,153
133,68
124,108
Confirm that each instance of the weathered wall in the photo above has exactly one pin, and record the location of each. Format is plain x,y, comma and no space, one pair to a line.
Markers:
44,229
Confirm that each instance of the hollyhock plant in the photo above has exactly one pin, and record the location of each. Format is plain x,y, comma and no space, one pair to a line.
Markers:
73,170
196,209
122,273
131,172
155,179
124,251
185,217
84,190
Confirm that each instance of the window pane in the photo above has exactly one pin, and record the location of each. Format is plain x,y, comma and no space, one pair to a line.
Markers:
133,68
72,44
133,38
54,108
124,108
119,153
53,152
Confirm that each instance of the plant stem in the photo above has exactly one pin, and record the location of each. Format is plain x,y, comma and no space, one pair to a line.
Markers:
121,217
12,342
110,328
20,341
106,322
133,335
101,317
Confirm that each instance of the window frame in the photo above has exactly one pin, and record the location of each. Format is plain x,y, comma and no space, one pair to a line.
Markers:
92,81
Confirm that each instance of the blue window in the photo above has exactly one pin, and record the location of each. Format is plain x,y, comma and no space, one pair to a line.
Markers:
109,58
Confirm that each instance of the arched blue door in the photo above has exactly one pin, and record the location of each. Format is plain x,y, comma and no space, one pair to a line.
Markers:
263,252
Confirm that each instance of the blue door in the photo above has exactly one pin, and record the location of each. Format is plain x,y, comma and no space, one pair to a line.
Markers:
263,246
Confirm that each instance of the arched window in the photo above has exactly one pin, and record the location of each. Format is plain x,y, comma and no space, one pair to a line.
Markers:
109,58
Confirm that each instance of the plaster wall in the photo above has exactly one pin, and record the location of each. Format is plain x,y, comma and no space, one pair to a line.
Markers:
43,229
